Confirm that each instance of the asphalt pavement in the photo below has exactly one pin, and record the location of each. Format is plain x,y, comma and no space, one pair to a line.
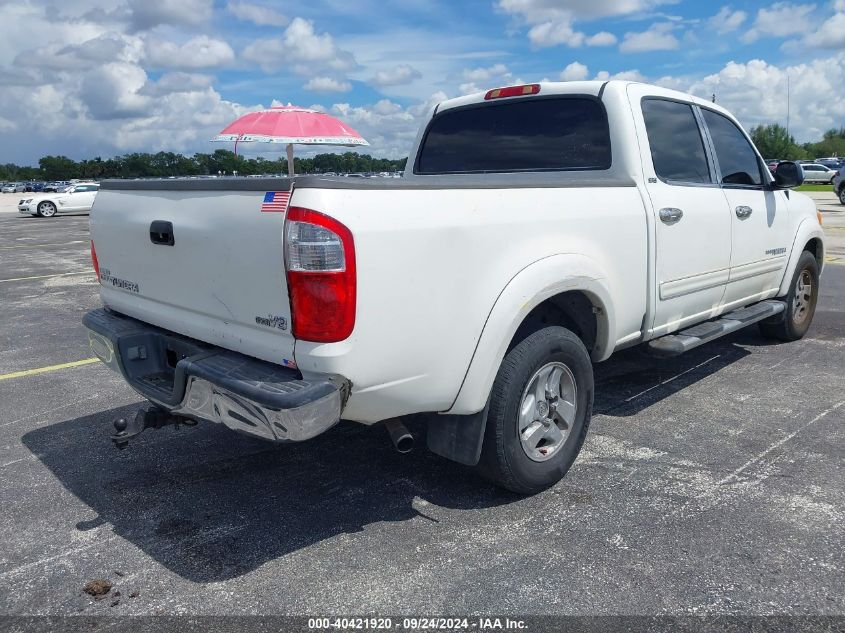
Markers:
711,483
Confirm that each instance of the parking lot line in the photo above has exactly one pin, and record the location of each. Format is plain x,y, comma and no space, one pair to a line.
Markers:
80,272
44,370
4,248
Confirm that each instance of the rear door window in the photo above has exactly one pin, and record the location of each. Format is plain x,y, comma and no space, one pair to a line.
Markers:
677,147
535,134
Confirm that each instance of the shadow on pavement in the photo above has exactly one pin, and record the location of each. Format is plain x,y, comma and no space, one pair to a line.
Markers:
633,380
211,505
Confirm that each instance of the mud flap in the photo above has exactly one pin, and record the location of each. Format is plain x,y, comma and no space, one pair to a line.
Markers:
457,437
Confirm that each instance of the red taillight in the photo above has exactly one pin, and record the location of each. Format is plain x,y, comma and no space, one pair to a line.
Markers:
94,260
512,91
320,262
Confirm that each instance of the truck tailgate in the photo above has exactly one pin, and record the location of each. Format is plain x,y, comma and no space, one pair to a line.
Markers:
222,280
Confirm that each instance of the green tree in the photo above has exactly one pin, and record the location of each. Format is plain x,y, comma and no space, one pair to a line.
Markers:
58,167
773,141
167,164
832,144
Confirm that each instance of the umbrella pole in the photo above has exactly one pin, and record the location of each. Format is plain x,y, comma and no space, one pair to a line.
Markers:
290,159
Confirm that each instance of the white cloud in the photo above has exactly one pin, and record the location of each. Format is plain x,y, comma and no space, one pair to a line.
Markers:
755,92
485,74
574,72
198,52
399,75
388,127
478,79
831,33
110,110
535,11
602,38
146,14
109,47
555,33
780,20
301,49
177,82
552,22
658,37
327,84
112,91
256,13
727,20
625,75
106,47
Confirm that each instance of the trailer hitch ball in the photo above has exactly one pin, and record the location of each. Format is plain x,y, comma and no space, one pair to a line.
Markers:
151,418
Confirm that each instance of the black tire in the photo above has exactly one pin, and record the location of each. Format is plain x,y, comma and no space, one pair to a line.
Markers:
503,459
842,195
793,324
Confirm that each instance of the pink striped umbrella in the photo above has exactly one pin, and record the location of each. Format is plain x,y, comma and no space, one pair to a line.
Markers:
290,125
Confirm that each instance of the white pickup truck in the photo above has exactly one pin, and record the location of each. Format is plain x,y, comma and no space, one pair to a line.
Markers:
537,230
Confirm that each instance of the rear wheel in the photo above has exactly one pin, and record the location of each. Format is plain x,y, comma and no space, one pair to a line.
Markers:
842,195
46,209
540,409
800,302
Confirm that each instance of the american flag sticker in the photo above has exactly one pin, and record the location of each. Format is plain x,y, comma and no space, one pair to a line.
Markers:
275,202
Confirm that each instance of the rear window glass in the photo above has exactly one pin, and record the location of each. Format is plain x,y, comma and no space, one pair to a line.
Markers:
550,134
677,148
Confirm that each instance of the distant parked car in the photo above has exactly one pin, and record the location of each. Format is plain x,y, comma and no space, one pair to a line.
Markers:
13,187
813,172
57,185
36,187
839,184
78,198
832,162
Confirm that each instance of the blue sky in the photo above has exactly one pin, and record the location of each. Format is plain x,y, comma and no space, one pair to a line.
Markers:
116,76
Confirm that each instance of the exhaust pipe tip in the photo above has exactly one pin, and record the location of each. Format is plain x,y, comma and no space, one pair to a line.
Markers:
399,435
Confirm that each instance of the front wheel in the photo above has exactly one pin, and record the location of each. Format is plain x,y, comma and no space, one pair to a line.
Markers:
540,409
800,303
46,209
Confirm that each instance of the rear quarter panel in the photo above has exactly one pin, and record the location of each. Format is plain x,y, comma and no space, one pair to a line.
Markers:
432,263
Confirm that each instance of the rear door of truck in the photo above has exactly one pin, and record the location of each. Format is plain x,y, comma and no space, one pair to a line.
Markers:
203,258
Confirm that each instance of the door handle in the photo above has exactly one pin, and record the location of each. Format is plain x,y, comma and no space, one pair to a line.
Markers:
670,215
161,232
743,212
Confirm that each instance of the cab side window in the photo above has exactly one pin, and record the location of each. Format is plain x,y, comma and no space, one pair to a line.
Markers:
738,164
677,148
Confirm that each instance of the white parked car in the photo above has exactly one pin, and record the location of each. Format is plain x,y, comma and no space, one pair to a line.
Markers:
13,187
814,172
78,198
537,230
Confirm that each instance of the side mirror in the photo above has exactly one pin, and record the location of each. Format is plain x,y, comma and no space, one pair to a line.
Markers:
788,174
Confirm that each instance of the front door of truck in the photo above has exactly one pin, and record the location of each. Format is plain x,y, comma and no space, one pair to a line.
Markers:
761,235
692,224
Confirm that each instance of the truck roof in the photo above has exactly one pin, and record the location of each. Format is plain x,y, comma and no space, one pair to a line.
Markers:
590,87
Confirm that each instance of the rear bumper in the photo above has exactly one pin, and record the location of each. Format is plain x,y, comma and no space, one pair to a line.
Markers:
204,382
